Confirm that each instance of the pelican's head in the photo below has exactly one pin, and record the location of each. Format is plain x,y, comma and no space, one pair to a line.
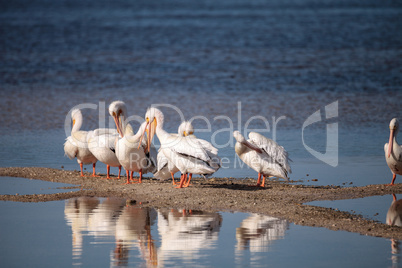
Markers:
393,128
394,124
153,118
185,129
118,111
76,116
239,137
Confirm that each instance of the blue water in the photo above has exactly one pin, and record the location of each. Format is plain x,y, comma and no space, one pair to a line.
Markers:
373,207
107,232
22,186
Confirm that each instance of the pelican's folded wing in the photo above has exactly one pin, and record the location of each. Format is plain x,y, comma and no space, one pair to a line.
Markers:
272,149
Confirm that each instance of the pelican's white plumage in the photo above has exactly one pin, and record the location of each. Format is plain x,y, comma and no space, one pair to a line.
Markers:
102,145
263,155
130,149
166,168
76,145
186,153
393,152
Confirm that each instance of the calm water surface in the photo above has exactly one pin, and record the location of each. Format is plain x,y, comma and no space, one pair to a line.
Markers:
102,232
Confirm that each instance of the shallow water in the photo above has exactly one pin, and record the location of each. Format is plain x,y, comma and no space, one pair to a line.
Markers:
373,207
22,186
100,232
45,149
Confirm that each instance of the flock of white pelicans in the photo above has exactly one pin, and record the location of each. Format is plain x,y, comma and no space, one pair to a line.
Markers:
182,152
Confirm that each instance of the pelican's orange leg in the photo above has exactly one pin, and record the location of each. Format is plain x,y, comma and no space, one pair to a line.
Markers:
189,179
118,177
140,178
182,180
82,173
263,181
93,170
259,179
173,178
107,172
393,180
128,177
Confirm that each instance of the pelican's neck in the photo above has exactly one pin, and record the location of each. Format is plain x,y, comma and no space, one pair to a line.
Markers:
240,148
160,132
78,123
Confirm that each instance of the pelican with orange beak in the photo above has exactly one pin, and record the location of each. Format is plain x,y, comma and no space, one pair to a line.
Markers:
130,148
187,157
102,146
393,151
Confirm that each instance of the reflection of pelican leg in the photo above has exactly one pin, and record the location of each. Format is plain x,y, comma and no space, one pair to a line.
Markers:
121,254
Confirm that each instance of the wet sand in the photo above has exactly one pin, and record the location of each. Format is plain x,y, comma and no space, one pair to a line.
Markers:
277,199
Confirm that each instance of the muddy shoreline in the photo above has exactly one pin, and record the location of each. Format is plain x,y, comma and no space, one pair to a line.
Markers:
278,199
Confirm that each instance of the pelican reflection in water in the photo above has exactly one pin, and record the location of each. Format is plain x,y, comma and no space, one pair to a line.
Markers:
184,233
394,218
113,217
257,232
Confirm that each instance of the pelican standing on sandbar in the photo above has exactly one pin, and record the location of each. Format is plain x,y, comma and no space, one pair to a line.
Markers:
76,145
393,151
102,146
186,154
263,155
130,149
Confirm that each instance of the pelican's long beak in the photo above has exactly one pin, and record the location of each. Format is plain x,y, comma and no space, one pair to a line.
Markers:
118,123
252,147
151,133
142,135
390,143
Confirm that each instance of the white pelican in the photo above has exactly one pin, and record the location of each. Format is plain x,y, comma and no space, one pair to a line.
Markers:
102,145
393,151
263,155
394,214
130,149
166,168
186,153
76,145
188,131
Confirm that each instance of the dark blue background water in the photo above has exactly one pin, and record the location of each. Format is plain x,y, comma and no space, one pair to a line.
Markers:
277,57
